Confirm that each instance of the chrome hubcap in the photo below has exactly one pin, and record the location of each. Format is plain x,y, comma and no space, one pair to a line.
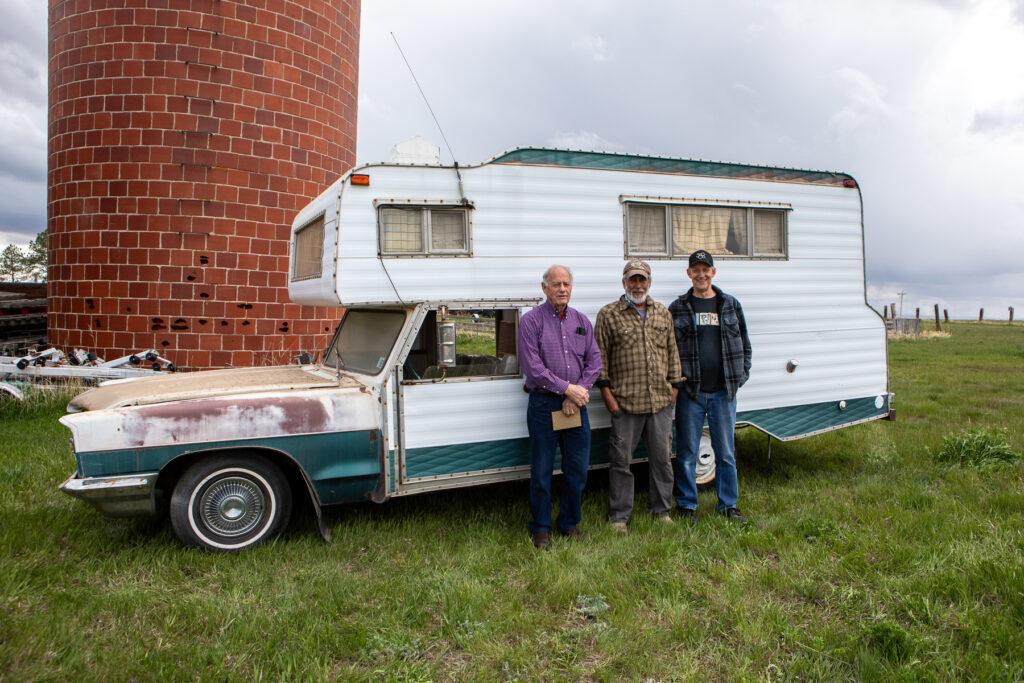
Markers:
232,506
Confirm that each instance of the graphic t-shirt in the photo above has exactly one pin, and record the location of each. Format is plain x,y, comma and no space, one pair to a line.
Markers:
709,343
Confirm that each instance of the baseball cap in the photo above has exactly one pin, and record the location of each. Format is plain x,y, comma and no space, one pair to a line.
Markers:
701,256
636,267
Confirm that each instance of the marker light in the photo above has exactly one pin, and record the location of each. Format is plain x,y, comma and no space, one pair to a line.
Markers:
359,179
848,182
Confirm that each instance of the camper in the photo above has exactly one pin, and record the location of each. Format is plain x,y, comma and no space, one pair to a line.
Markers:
420,389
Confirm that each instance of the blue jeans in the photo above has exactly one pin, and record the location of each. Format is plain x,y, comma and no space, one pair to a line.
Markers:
575,447
720,411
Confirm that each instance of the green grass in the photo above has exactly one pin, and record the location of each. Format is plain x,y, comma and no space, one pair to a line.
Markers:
868,559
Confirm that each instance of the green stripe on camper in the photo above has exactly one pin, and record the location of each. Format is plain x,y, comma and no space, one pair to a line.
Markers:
629,162
794,422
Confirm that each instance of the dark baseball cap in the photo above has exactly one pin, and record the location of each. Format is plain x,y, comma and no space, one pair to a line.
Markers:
701,256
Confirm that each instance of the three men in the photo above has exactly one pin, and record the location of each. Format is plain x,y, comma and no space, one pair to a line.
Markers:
715,354
638,382
560,361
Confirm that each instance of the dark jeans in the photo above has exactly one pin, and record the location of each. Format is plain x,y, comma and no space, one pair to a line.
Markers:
575,447
720,412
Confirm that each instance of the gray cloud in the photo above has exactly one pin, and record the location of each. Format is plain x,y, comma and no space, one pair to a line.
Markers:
896,102
1003,120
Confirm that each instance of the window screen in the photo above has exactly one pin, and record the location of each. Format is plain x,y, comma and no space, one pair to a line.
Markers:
723,230
401,230
309,251
769,233
646,233
424,231
447,230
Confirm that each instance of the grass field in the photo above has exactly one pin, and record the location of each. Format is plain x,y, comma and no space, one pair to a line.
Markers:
868,558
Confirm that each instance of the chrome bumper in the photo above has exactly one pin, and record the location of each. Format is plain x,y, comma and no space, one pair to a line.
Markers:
125,496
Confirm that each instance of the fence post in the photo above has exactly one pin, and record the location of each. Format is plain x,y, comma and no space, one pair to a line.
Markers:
981,314
945,314
892,307
938,327
917,313
1011,315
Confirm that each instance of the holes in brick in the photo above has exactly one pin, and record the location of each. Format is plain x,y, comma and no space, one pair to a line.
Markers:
127,309
204,259
165,343
90,303
202,321
245,323
204,295
190,277
158,324
284,326
327,329
97,323
223,323
245,307
179,325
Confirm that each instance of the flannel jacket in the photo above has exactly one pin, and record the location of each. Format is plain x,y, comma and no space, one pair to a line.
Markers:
639,358
736,352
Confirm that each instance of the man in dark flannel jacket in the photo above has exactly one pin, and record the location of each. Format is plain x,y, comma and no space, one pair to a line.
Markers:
714,351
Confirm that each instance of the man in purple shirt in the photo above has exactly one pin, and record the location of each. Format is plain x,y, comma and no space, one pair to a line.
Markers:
561,361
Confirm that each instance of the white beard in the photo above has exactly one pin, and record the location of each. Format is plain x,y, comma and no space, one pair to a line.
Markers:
638,300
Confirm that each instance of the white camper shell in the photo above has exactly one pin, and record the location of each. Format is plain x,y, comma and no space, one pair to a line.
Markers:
421,388
445,243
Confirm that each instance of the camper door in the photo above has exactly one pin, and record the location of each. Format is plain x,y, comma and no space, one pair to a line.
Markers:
459,405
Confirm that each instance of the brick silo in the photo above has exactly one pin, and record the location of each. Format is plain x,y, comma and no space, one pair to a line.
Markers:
183,137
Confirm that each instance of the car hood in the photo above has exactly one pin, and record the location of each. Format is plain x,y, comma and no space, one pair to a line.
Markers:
204,384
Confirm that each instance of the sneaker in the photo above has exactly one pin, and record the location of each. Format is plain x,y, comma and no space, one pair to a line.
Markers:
734,515
541,540
665,518
572,533
687,515
619,527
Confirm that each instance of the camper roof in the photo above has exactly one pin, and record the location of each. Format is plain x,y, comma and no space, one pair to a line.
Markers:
540,156
571,158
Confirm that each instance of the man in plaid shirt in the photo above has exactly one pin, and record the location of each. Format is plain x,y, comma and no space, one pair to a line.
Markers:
714,351
639,374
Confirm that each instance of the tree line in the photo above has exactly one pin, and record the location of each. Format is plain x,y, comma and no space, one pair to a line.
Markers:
17,263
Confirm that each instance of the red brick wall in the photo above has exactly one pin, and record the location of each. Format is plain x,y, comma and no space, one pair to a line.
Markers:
184,135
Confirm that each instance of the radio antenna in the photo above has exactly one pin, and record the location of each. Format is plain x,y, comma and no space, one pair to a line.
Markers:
426,101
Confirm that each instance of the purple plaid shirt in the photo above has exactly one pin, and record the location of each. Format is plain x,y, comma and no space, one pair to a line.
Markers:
552,352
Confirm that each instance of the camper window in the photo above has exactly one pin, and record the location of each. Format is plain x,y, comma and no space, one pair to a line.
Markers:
463,344
423,231
307,261
676,230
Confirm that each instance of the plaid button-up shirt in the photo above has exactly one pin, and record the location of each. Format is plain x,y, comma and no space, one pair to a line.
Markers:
640,360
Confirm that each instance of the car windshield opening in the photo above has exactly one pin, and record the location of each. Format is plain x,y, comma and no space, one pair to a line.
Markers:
365,340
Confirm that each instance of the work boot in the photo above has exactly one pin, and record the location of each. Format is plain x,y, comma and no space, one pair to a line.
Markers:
541,540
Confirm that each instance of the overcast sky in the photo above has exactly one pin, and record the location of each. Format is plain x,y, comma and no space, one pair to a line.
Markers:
921,100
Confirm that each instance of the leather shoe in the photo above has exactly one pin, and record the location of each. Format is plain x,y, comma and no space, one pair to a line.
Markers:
687,515
734,515
541,540
572,533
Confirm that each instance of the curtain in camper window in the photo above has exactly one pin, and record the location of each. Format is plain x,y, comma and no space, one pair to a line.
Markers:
769,233
720,230
401,230
646,233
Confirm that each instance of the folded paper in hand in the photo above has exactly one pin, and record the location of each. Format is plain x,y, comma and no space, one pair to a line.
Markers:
560,420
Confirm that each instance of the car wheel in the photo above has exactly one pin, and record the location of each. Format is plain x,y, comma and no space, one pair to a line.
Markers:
230,503
705,462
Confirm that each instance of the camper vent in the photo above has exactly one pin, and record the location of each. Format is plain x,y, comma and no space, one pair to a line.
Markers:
308,251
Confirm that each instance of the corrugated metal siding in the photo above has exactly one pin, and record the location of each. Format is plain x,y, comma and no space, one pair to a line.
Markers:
809,307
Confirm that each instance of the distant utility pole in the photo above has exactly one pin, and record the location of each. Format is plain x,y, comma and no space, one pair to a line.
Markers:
901,293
